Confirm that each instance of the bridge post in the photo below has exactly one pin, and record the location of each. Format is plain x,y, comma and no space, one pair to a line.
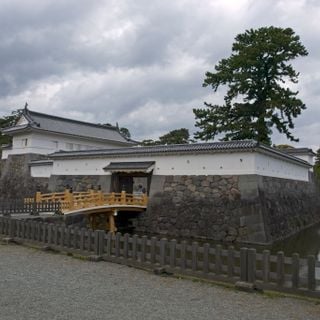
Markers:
112,198
123,197
144,199
100,197
38,196
69,198
112,224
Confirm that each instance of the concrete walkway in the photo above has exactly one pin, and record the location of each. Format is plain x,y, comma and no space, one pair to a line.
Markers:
40,285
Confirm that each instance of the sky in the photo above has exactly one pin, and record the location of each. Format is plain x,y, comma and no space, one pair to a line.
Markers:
142,63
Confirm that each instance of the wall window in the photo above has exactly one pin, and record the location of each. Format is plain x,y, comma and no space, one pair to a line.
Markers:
24,142
69,146
55,145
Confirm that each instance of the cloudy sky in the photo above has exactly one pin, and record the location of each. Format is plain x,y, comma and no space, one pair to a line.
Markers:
141,63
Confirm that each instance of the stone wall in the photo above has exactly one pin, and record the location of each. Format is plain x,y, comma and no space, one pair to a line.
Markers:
15,179
288,206
229,208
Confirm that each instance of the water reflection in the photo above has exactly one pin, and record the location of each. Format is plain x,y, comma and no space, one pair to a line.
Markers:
307,242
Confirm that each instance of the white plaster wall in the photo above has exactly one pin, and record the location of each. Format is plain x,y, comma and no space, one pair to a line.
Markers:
266,165
306,157
200,164
240,163
48,143
43,171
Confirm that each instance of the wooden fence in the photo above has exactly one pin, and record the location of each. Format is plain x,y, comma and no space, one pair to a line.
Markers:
277,272
33,208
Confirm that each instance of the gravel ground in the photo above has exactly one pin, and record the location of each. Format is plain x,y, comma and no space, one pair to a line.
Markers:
40,285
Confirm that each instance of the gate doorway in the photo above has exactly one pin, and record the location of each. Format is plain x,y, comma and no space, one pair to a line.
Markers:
132,177
131,182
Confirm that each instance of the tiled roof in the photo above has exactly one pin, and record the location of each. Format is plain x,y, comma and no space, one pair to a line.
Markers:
173,148
129,166
210,147
49,123
297,151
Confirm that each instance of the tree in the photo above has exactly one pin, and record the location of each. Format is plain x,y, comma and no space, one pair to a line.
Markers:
316,167
178,136
258,97
8,121
125,132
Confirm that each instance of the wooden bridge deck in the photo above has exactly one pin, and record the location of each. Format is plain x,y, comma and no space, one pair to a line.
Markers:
93,202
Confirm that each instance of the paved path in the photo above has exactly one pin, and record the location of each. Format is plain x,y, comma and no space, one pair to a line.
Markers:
39,285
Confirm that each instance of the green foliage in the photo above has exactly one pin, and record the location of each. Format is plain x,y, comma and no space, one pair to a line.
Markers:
258,98
8,121
125,132
178,136
316,167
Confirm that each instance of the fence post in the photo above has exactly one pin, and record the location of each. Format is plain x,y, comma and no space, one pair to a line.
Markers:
231,261
183,258
109,244
280,268
153,250
144,240
117,245
44,232
194,250
50,238
163,245
12,228
311,273
56,236
98,242
23,227
125,245
62,236
218,262
265,266
75,237
173,244
206,251
243,264
33,231
251,265
82,239
134,246
89,240
295,270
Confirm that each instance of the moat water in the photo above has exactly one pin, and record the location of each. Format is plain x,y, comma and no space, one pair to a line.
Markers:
306,242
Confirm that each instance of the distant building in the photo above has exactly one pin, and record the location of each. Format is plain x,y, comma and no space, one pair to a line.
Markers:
38,133
305,154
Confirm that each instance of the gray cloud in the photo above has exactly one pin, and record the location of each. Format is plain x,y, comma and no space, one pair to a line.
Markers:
139,63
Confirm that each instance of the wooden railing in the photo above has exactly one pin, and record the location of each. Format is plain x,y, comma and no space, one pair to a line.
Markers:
92,198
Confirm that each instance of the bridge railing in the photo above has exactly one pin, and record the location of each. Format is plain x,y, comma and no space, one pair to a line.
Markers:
92,198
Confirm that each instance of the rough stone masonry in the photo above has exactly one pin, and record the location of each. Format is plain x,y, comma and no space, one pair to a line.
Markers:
230,208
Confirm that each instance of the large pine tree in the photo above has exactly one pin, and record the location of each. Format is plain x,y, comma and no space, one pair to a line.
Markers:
258,98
